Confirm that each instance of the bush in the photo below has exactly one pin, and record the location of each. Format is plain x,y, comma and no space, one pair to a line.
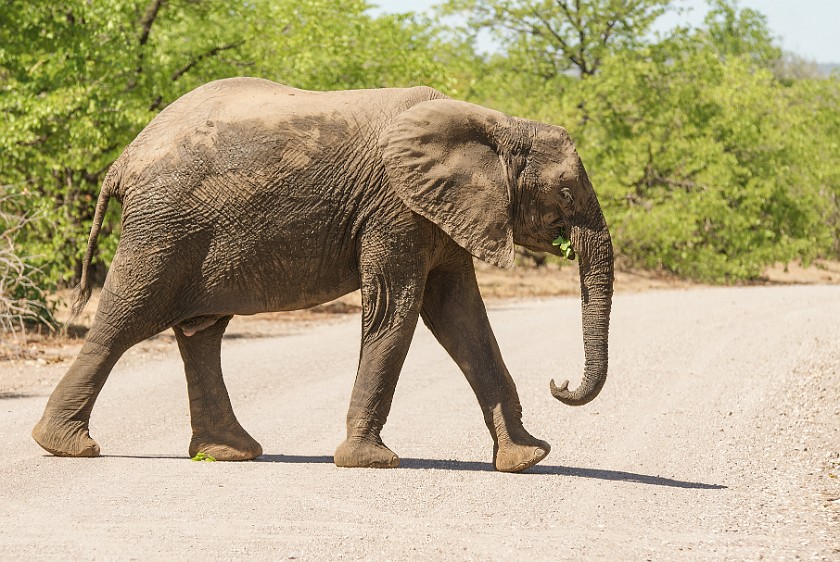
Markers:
23,298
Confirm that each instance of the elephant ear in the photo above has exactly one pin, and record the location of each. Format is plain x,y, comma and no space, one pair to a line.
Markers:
442,160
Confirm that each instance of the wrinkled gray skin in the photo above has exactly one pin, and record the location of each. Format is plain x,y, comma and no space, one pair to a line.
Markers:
246,196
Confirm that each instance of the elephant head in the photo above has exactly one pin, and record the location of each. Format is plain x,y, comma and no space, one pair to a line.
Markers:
490,180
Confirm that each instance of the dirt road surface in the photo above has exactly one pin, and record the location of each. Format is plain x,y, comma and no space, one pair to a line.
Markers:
716,438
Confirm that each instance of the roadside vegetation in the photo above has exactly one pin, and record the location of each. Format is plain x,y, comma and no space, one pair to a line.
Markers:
713,152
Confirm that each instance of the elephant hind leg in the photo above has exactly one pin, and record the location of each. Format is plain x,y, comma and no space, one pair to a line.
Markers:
215,429
120,323
63,430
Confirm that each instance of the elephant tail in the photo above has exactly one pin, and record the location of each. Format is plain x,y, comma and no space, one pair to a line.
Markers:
81,295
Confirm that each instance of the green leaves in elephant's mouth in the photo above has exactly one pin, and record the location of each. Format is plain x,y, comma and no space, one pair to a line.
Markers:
565,246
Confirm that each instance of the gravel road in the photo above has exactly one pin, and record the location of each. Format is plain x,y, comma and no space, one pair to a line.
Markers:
716,438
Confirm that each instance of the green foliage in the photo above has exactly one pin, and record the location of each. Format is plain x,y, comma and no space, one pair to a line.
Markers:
550,37
713,154
703,162
740,32
203,457
565,246
63,117
330,45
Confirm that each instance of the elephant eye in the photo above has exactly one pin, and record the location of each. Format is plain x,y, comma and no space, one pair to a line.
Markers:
566,196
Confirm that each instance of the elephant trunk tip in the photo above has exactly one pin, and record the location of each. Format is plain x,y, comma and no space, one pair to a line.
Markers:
577,397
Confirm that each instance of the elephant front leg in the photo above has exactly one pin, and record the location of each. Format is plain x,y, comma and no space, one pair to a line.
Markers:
454,312
215,429
391,297
381,361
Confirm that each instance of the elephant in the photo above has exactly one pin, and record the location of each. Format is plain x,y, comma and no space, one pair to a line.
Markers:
246,196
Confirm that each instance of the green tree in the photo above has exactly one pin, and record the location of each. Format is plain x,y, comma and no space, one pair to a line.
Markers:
704,161
740,32
77,81
329,45
552,37
817,132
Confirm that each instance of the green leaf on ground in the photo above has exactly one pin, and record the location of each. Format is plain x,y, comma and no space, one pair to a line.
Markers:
203,457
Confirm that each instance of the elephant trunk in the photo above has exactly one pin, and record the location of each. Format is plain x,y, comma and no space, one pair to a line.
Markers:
594,249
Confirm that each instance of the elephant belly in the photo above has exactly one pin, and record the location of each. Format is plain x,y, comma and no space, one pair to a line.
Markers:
280,281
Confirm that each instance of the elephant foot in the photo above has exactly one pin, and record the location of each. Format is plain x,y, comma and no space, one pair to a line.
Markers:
360,453
516,457
228,446
65,438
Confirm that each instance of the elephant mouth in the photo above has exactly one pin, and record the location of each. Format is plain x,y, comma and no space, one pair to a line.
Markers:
560,229
562,244
559,234
543,235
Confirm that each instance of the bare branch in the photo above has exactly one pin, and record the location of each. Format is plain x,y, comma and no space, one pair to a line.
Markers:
21,300
212,52
158,101
566,10
148,20
565,46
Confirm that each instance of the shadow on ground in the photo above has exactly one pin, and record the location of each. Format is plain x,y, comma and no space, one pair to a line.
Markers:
12,394
596,473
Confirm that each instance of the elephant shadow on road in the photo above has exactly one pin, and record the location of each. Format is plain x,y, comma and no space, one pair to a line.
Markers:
596,473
